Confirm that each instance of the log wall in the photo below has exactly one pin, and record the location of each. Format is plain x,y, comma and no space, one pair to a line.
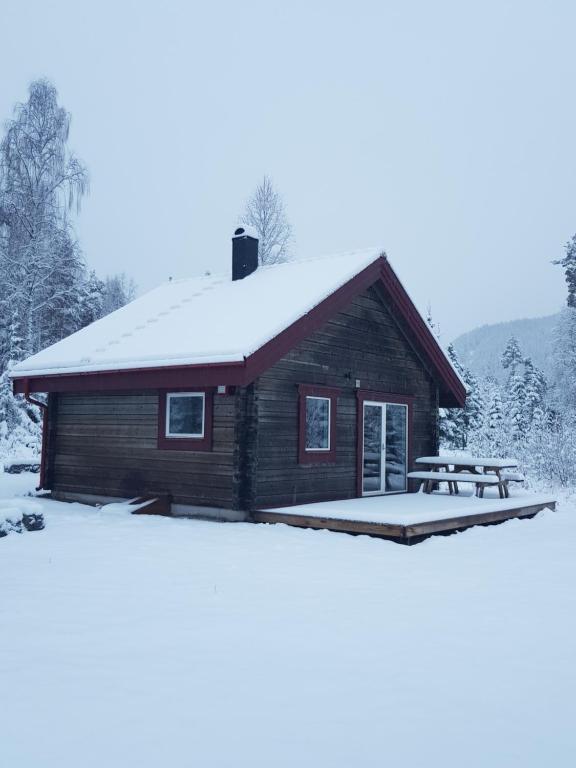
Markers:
106,444
363,342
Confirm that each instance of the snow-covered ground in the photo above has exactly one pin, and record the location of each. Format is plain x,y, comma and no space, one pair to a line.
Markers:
139,641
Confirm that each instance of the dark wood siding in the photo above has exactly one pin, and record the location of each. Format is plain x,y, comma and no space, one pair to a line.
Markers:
106,444
363,342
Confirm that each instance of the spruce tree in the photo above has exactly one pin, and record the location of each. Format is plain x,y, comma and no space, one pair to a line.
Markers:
457,425
564,383
495,433
512,356
535,387
516,406
568,264
451,420
90,300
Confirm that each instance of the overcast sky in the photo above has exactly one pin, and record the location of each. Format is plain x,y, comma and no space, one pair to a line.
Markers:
443,132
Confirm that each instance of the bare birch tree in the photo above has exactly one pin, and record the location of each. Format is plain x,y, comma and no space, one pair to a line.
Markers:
265,213
46,292
40,181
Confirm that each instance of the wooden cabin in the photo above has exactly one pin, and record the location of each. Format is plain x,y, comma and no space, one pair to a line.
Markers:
299,382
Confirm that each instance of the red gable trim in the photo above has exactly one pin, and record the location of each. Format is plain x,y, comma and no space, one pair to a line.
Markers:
454,393
312,321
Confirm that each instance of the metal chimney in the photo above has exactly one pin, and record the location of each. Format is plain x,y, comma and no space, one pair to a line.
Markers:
244,254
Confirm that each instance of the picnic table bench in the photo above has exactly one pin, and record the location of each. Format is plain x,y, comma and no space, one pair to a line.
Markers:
480,471
429,479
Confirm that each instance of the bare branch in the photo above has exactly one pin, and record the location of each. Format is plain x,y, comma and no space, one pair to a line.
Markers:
265,213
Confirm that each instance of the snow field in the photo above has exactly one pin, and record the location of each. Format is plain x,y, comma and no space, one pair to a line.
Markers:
134,640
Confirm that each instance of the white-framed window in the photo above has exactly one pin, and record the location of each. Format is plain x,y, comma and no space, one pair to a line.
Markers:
318,414
185,414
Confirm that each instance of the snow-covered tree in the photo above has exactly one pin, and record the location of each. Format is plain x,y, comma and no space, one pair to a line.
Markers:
525,393
535,388
11,340
40,182
512,356
551,448
97,298
527,417
451,420
265,213
516,405
117,291
19,421
457,424
568,263
90,299
564,384
46,292
493,437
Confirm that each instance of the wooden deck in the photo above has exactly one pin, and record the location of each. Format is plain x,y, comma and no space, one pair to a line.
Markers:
451,518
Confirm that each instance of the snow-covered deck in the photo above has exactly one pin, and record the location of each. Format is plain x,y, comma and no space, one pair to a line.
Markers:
410,517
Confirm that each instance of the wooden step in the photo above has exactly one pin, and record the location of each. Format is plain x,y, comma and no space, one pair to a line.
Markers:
152,504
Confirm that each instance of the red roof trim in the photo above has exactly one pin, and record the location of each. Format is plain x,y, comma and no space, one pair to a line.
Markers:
455,389
168,377
280,345
213,374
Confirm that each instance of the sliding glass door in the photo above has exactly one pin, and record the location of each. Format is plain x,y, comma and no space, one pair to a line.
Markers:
384,447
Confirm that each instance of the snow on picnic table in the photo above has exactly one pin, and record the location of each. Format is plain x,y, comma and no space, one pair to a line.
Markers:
141,641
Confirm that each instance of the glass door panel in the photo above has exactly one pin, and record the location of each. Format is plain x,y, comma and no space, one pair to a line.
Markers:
385,448
396,459
372,447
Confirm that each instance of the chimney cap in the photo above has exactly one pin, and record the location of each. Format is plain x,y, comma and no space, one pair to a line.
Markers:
245,231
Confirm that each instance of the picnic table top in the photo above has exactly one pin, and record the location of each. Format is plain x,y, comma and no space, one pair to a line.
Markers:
468,461
457,477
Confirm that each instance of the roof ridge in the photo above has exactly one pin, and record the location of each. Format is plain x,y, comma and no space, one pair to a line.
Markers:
362,252
179,280
224,276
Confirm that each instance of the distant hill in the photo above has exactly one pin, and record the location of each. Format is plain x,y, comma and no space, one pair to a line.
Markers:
481,349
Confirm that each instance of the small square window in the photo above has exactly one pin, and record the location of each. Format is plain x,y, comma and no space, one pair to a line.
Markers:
185,415
317,423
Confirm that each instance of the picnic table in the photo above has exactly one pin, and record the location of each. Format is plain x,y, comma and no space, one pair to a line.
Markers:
480,470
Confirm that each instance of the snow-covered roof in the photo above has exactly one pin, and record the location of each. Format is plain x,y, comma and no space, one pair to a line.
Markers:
201,320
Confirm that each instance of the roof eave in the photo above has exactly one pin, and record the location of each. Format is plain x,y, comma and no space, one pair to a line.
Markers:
165,377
